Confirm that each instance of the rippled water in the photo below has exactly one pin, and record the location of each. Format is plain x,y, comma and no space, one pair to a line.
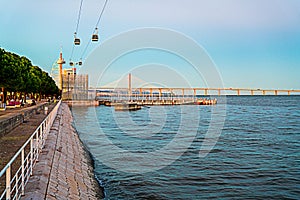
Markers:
257,155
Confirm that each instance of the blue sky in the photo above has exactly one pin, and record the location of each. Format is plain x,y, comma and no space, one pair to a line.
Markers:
254,44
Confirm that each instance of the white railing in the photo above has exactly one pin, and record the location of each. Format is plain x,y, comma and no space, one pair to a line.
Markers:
25,159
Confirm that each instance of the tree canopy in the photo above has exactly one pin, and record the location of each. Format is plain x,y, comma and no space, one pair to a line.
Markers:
17,74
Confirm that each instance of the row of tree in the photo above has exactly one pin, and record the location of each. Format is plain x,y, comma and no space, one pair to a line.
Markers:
19,77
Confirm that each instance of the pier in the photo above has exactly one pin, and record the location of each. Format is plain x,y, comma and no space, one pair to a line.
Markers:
176,96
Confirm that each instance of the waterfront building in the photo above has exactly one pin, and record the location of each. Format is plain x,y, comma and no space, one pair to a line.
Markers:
74,86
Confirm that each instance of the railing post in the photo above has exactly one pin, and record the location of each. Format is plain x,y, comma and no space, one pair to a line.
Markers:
17,187
41,137
23,172
151,94
160,93
37,145
44,134
8,183
31,155
44,126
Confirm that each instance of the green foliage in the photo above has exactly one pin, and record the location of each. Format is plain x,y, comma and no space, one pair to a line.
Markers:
17,74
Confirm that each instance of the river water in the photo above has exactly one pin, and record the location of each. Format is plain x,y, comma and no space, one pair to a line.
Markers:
155,152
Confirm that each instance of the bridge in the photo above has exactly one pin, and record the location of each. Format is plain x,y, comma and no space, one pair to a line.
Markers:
195,91
183,92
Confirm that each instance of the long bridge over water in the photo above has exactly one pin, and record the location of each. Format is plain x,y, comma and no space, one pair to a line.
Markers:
195,91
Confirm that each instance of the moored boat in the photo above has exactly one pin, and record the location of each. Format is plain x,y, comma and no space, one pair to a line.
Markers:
206,101
127,106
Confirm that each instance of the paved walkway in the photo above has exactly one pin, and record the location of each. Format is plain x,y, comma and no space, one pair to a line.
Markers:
11,118
64,170
13,111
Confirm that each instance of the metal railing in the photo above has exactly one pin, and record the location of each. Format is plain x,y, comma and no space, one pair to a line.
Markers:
25,159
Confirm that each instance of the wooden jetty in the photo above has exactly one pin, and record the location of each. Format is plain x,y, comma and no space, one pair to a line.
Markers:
138,104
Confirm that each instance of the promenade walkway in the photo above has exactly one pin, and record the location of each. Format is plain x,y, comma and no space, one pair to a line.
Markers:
64,170
13,111
11,118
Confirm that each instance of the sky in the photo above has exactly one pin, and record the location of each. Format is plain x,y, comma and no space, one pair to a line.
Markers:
253,44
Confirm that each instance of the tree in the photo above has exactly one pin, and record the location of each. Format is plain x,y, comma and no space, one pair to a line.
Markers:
18,75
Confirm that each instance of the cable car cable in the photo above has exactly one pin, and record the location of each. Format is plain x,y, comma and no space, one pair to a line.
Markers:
102,11
78,19
85,49
72,52
95,31
76,40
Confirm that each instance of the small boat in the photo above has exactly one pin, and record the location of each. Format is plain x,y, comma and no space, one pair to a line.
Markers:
107,103
206,101
187,103
130,106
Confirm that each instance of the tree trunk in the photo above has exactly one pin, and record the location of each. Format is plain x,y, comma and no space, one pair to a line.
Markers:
25,95
2,95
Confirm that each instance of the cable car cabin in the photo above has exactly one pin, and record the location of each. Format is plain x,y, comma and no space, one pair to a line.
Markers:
95,38
71,63
77,41
80,63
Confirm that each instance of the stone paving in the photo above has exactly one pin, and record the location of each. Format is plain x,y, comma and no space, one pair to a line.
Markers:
64,169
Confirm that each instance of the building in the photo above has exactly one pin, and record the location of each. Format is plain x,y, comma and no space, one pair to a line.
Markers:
74,86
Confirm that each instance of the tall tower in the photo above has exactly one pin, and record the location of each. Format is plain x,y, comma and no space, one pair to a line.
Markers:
60,62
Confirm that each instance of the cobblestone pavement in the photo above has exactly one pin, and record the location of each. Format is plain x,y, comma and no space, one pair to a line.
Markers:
64,170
